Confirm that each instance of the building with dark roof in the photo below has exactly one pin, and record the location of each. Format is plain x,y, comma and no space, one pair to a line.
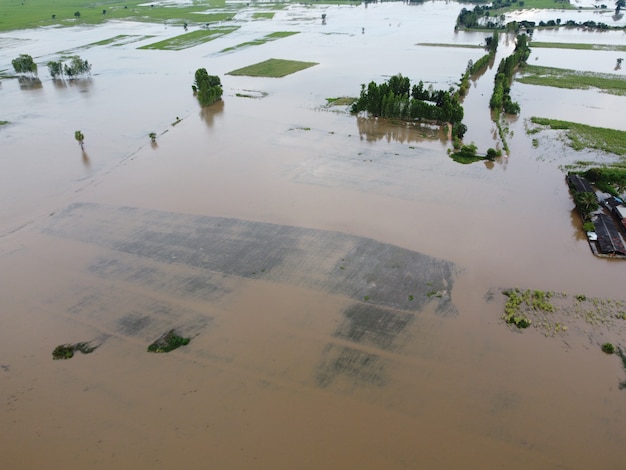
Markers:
579,184
609,240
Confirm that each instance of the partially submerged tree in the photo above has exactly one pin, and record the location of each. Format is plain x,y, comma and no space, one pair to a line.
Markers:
55,68
207,87
76,68
80,138
24,64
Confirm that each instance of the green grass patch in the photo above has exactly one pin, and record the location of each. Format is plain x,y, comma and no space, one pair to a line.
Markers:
18,14
572,79
535,4
582,136
263,40
341,101
456,46
579,46
106,42
168,342
66,351
273,68
4,123
263,15
191,39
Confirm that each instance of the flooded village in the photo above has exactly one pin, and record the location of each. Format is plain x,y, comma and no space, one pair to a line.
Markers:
274,282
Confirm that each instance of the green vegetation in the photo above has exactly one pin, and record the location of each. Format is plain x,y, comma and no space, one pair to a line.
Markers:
37,13
467,154
106,42
66,351
168,342
586,203
455,46
208,88
4,123
501,98
582,136
579,46
275,68
80,138
191,39
478,67
519,303
263,15
396,99
24,64
573,79
609,179
152,136
608,348
77,67
263,40
342,101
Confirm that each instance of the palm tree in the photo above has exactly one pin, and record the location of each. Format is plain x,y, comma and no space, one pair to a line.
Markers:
80,138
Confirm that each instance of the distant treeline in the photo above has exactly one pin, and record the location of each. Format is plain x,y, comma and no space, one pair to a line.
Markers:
480,17
397,99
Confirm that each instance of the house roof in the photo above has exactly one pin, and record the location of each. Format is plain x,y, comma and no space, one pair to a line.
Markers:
580,184
609,240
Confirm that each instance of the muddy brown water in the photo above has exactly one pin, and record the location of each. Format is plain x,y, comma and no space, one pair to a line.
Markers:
333,273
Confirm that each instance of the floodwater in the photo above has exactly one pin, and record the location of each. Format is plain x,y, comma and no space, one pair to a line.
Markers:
334,273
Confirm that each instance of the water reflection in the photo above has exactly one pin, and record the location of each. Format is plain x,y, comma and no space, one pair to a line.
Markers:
373,129
59,83
86,160
208,113
579,234
29,83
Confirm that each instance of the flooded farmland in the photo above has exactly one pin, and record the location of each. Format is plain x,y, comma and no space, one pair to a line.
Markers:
338,277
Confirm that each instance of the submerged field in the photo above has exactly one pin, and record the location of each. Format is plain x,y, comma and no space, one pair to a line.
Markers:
325,271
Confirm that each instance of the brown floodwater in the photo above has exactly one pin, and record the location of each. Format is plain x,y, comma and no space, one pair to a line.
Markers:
339,276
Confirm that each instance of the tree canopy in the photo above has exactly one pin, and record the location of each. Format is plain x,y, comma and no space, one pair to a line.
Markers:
76,68
207,87
397,99
24,64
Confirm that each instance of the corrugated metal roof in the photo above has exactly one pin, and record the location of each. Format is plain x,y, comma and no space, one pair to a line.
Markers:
609,240
580,184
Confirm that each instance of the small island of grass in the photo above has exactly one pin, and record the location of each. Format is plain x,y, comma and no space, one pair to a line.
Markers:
274,68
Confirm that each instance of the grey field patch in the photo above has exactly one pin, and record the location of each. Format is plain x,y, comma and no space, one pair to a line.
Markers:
333,262
139,315
372,325
190,284
345,364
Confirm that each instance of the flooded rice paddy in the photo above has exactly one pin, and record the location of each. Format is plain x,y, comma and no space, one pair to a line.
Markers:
339,277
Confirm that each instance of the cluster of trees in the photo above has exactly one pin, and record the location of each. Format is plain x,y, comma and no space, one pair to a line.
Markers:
611,180
397,99
76,68
208,88
24,64
501,98
480,17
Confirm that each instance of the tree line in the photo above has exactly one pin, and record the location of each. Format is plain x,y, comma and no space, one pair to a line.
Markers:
501,98
77,67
